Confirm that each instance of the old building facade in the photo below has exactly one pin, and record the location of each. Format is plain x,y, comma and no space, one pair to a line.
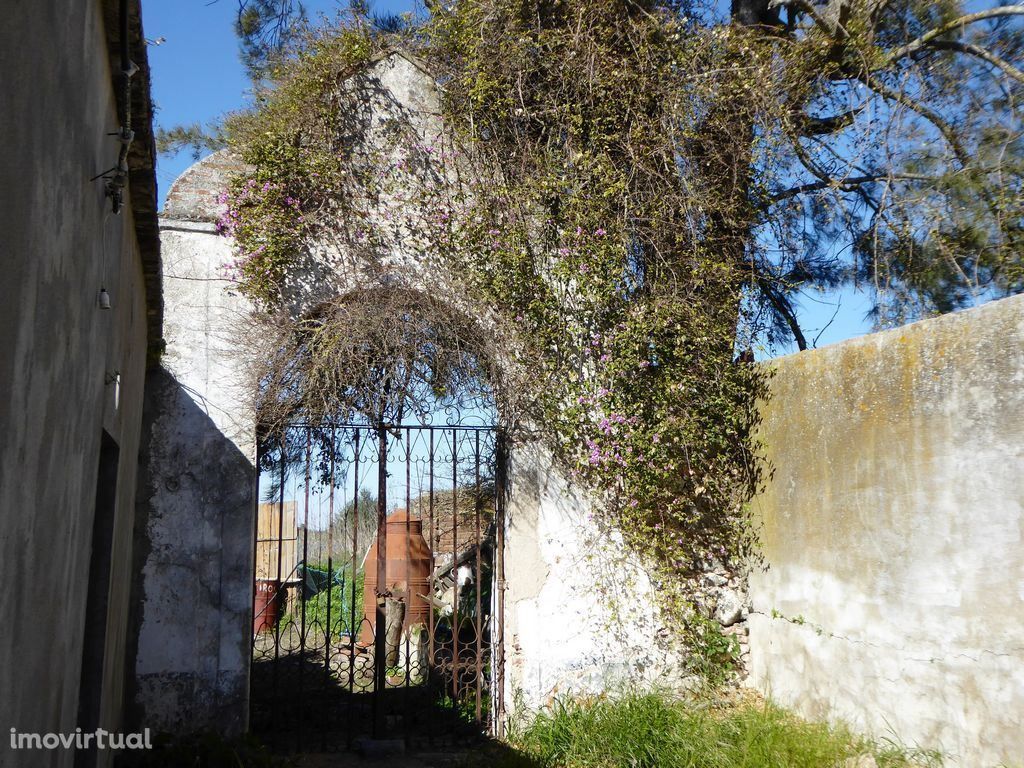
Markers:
80,313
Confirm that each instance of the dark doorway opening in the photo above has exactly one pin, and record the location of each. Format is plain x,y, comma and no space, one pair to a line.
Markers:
94,640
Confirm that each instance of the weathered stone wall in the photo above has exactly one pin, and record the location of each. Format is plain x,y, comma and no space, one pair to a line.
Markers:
69,371
194,540
194,543
578,616
580,613
892,528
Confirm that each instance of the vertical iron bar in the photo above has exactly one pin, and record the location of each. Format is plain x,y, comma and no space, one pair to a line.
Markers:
302,584
356,624
276,596
408,545
255,555
380,617
431,591
455,571
330,571
479,614
499,547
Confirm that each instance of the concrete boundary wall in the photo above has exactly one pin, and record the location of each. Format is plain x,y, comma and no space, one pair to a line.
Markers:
892,530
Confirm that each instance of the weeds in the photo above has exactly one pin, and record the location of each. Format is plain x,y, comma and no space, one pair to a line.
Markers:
656,731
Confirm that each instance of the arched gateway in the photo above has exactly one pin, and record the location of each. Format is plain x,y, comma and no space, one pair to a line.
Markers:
496,582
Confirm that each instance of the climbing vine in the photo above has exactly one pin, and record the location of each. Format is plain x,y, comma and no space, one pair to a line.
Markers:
569,195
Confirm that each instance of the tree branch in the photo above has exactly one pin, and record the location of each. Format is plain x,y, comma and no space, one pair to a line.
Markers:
848,183
927,37
816,17
816,126
784,308
927,113
982,53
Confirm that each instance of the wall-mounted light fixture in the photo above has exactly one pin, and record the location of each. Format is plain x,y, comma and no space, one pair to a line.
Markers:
116,178
114,379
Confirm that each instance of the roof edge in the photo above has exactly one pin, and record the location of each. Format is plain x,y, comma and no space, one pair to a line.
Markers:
142,184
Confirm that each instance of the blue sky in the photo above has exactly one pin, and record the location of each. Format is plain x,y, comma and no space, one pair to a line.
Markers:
197,72
198,76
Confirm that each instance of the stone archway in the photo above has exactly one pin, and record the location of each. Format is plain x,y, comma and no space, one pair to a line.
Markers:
386,510
195,537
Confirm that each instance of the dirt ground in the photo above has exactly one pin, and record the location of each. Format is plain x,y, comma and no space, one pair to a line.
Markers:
345,760
485,755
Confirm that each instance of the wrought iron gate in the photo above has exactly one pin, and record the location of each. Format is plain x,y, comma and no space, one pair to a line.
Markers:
376,613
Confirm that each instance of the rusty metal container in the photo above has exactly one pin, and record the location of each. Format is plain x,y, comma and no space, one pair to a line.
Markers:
267,607
408,573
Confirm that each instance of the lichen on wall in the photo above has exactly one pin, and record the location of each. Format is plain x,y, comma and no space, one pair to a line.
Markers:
892,534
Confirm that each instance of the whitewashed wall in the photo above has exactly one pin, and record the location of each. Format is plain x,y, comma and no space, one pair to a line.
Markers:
196,503
580,613
894,532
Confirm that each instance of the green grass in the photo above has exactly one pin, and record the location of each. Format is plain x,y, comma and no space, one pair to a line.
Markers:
654,731
341,607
